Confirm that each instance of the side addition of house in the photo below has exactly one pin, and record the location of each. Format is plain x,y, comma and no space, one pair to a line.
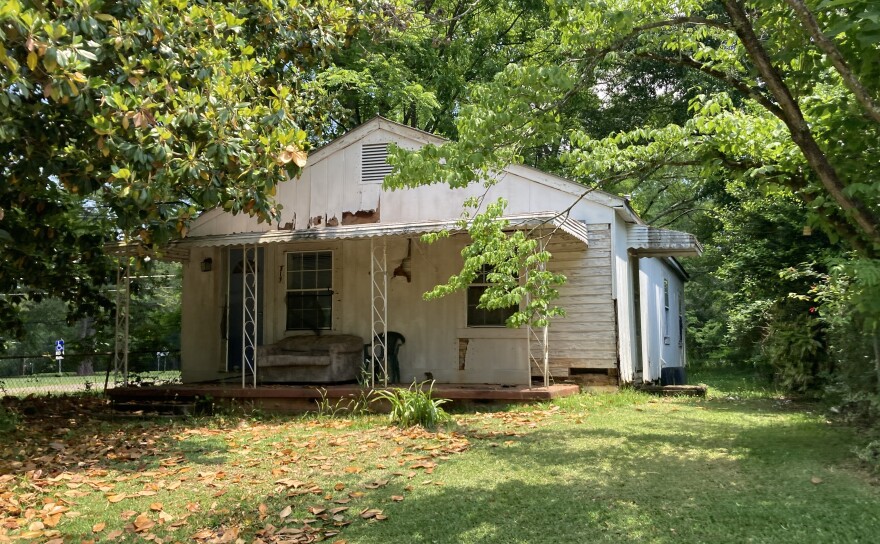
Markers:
347,260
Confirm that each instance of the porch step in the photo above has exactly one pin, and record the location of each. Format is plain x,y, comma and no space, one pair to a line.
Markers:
699,390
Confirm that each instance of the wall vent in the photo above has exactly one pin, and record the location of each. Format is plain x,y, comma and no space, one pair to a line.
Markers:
374,163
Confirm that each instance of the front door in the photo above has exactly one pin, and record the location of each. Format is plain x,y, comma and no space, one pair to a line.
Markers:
235,306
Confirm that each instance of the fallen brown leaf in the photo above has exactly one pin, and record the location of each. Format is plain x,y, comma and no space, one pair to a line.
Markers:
369,513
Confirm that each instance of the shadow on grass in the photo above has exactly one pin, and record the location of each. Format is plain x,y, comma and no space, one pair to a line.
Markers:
678,481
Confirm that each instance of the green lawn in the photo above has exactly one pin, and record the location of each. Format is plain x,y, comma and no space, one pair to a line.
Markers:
746,465
40,384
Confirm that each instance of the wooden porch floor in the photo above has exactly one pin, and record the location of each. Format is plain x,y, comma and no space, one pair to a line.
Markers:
303,397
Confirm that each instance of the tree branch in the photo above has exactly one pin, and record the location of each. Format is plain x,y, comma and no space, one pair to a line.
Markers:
675,21
737,84
830,49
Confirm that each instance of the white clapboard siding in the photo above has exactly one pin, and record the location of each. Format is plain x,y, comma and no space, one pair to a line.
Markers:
585,338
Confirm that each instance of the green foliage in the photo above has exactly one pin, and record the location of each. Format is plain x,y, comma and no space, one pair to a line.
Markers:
155,309
414,405
870,455
423,73
732,127
794,349
517,265
844,299
127,119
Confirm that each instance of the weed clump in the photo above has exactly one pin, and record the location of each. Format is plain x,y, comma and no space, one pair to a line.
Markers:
415,405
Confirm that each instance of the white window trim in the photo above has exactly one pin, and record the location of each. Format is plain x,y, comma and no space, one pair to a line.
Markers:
330,323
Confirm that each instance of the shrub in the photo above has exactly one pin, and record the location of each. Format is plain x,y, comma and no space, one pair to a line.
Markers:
414,405
795,348
870,455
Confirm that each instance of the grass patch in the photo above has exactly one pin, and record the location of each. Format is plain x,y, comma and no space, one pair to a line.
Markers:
736,383
623,467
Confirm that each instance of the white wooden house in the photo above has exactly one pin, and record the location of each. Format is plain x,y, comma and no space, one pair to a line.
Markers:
348,254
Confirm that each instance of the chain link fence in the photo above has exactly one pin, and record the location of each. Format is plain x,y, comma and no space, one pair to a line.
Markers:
24,375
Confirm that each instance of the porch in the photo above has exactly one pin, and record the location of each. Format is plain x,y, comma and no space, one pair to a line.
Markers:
234,302
304,398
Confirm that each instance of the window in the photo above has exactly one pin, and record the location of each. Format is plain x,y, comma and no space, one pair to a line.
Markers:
666,294
680,321
309,290
666,312
482,317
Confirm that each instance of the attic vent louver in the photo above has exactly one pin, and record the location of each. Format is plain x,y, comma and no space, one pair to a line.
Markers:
374,163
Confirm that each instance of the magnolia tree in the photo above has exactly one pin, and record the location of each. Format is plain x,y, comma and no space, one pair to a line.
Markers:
126,119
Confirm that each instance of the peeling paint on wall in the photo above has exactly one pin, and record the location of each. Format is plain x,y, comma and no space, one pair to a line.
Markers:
360,217
462,352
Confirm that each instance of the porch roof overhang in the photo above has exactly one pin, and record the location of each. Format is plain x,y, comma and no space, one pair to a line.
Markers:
645,241
548,220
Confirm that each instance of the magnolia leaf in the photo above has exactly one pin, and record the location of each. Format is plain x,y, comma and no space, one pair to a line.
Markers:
293,153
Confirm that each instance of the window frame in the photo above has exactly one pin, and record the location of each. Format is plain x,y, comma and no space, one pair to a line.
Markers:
666,311
480,287
320,291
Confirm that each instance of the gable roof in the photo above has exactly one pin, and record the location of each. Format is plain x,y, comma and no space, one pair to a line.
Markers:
618,203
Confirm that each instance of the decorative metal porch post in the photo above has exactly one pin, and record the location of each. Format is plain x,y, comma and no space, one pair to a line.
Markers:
123,300
378,311
249,314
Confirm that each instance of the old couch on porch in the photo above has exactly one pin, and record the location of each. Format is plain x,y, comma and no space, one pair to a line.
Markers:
328,358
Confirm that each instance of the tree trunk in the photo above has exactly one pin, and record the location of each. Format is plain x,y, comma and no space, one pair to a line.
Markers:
86,367
877,358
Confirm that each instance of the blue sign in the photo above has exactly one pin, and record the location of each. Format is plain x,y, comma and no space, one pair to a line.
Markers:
59,346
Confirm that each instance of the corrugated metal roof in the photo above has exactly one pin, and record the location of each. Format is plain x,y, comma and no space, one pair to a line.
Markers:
656,242
170,253
577,229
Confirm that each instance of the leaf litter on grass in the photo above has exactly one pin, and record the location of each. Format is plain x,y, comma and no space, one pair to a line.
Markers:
67,475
